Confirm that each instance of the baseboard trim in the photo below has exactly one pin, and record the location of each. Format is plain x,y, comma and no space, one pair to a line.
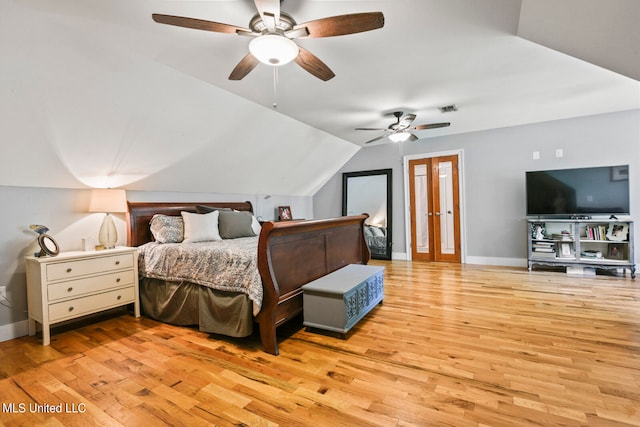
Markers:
503,262
399,255
14,330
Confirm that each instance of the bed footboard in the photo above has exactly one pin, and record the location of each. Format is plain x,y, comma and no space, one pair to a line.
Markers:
291,254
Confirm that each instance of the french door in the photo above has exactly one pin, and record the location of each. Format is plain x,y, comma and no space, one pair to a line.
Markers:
435,209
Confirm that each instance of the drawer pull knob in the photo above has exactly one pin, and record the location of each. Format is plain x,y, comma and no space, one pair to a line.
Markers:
68,270
69,289
118,280
119,297
117,262
71,309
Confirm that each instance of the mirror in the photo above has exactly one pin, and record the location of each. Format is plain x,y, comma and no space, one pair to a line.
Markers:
370,192
48,246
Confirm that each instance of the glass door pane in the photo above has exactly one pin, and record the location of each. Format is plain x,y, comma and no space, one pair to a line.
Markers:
447,225
421,208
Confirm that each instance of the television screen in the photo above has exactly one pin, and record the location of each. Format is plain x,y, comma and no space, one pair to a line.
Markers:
583,191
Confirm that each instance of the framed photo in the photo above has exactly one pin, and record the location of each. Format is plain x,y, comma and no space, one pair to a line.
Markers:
620,173
616,251
284,213
566,250
617,232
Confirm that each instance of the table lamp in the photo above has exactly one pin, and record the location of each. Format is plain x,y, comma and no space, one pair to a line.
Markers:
109,201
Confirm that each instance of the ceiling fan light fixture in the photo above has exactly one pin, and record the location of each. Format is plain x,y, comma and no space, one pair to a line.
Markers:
399,136
273,49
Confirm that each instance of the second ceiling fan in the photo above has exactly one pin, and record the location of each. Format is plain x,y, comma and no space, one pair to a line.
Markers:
400,130
273,31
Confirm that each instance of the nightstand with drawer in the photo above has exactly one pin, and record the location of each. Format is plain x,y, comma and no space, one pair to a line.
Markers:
74,284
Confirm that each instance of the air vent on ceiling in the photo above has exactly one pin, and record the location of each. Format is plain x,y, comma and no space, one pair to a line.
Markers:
448,108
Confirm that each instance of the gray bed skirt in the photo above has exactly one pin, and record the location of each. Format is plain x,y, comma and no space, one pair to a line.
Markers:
186,304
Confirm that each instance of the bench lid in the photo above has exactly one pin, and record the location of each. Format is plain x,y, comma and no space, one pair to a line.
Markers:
344,279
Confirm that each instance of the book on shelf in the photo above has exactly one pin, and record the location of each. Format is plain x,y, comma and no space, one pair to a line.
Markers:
563,236
548,244
591,254
541,254
595,232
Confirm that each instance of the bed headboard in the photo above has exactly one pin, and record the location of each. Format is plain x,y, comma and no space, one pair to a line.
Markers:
140,214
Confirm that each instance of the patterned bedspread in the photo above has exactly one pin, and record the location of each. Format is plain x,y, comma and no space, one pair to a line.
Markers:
227,265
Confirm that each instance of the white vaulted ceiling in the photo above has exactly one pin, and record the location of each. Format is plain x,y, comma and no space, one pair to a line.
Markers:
94,93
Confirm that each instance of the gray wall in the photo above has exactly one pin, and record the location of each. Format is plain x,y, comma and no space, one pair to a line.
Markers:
64,212
494,165
493,175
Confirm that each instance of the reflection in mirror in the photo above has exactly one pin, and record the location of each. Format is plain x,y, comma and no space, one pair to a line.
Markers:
370,192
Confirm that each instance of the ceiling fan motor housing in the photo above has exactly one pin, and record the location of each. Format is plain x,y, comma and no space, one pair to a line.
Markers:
285,23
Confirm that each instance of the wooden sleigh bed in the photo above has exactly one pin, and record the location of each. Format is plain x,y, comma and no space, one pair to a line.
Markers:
290,254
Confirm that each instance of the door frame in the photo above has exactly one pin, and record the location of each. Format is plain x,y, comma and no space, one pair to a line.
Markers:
407,199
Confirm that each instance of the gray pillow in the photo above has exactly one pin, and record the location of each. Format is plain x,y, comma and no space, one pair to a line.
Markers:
167,229
202,209
234,224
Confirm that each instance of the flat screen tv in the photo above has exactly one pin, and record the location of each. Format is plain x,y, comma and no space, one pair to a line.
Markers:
602,190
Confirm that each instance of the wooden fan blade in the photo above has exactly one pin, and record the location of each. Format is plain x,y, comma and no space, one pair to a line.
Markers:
197,24
375,139
378,129
269,10
432,126
343,24
313,65
244,67
406,121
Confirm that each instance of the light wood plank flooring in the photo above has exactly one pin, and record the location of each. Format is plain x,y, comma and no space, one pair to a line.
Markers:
452,345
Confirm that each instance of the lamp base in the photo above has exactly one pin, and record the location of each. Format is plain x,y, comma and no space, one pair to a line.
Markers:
108,235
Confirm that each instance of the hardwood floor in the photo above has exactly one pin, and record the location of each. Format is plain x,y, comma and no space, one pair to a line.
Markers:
452,345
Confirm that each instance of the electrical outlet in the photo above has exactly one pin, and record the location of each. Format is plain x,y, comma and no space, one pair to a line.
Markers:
3,292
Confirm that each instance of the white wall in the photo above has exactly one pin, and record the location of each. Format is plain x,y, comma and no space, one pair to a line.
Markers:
493,175
81,109
64,212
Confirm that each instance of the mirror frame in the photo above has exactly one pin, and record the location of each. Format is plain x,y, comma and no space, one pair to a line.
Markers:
388,173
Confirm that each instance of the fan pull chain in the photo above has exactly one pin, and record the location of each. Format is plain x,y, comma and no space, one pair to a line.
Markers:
275,87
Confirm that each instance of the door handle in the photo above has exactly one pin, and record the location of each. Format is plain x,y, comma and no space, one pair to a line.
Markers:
438,214
429,214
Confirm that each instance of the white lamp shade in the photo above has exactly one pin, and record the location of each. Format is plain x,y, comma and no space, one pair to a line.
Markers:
108,200
273,49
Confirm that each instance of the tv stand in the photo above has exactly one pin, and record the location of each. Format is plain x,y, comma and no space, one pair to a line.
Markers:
597,244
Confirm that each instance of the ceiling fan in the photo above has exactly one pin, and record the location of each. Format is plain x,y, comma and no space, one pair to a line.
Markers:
273,31
399,131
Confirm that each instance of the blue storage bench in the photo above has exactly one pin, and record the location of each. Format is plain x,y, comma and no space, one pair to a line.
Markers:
337,301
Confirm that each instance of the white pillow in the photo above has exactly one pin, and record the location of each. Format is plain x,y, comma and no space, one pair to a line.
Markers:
255,225
200,227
